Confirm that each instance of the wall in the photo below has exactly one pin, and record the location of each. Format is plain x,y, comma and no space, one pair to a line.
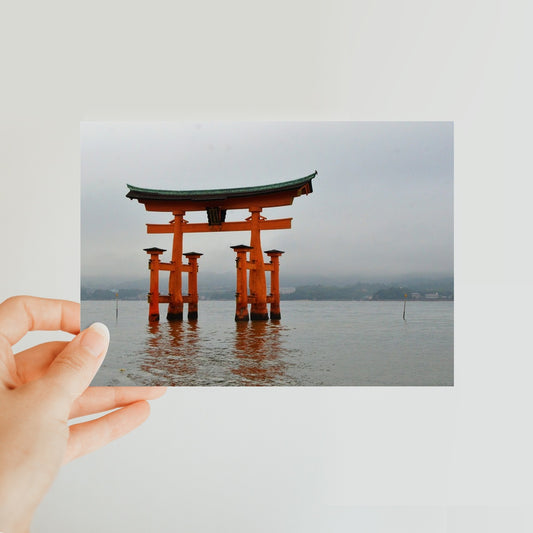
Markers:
313,460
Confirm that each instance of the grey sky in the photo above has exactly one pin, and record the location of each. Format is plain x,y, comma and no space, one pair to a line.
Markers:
382,204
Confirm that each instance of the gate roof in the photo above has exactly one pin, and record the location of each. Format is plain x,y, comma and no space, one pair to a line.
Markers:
264,195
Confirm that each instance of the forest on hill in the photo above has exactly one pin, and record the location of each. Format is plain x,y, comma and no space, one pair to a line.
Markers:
415,289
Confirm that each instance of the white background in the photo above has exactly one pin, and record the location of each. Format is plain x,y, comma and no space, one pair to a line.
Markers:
292,460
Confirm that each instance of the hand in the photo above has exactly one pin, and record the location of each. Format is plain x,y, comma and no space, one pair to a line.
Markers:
40,390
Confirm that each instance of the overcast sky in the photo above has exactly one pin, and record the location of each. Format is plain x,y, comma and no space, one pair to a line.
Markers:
382,204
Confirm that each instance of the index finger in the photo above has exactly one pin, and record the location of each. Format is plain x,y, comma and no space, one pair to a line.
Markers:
20,314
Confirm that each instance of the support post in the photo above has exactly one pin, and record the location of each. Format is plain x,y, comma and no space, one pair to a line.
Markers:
241,294
153,295
275,312
175,306
192,299
259,309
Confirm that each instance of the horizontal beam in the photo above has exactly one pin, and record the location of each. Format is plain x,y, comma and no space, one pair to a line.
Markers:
171,268
268,200
186,299
245,225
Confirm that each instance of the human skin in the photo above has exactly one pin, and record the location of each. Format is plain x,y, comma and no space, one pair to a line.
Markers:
44,387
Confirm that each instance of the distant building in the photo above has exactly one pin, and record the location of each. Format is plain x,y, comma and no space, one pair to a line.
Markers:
416,296
287,290
432,296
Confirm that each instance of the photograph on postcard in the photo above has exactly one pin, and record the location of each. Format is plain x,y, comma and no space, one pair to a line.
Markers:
269,253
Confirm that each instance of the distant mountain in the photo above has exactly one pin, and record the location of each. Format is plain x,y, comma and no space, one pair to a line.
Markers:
421,280
216,280
222,287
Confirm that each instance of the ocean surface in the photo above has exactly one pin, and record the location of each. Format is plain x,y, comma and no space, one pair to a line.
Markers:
314,343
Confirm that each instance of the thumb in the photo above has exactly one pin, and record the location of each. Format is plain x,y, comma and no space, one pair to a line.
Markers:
73,369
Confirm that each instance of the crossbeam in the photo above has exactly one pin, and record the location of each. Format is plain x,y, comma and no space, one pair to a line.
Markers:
171,267
165,298
245,225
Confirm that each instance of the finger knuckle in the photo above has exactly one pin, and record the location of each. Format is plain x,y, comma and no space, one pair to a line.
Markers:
73,363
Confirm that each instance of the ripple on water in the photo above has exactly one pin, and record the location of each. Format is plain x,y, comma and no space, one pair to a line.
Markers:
315,343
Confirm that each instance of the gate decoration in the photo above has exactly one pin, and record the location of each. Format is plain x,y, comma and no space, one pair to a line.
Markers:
251,267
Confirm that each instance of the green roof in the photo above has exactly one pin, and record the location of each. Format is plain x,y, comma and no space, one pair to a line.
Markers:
140,193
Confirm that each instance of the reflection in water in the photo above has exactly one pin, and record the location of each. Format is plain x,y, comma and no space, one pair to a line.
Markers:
169,351
326,343
257,352
183,353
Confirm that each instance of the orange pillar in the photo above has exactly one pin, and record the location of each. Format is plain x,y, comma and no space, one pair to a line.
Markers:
193,257
258,289
275,312
153,295
241,294
175,306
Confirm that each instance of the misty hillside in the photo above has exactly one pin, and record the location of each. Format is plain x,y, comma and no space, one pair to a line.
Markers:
222,287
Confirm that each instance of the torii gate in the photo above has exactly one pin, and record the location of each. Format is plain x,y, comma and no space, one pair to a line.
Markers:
216,202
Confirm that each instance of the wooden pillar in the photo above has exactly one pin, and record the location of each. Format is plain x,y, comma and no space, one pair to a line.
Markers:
192,298
241,294
258,289
153,295
175,306
275,312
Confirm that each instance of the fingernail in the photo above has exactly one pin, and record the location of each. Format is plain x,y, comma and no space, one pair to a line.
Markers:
95,339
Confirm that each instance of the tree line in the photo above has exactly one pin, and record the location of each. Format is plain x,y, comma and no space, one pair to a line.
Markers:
442,289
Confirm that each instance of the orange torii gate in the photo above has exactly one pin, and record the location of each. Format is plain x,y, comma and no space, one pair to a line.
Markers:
216,202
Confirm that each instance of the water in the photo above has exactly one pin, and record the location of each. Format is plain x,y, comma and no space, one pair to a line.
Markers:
315,343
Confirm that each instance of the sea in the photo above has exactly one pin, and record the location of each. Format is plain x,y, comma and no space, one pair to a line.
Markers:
316,343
